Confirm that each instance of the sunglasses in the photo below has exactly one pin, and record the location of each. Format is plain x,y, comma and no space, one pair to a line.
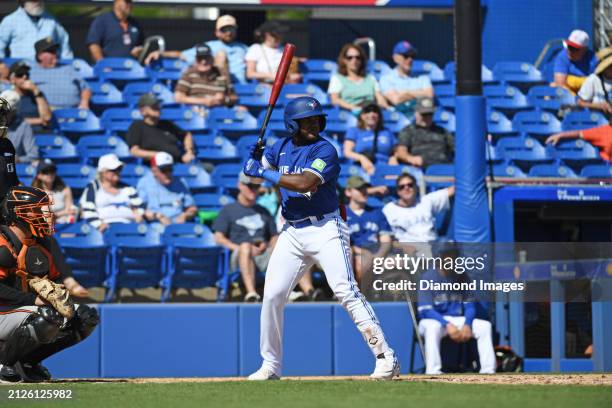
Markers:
24,75
227,29
352,57
405,186
406,56
572,49
252,186
207,60
370,110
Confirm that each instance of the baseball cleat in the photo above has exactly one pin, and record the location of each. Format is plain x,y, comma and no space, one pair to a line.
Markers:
387,367
8,374
263,374
33,373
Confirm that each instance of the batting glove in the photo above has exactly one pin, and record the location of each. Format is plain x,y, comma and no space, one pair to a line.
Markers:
254,168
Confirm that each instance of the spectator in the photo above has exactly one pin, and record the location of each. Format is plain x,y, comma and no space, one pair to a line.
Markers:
107,200
115,33
203,84
20,30
350,86
20,132
600,137
369,230
248,230
4,73
63,203
451,313
151,135
423,142
62,85
33,104
596,91
399,86
573,65
369,142
166,198
412,219
263,57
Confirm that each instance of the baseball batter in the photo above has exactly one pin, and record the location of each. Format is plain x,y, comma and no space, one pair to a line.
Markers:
306,168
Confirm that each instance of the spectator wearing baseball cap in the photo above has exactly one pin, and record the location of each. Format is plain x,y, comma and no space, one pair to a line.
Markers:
115,33
423,142
34,106
63,202
150,135
596,91
62,85
400,87
575,63
166,198
20,132
107,200
263,57
203,84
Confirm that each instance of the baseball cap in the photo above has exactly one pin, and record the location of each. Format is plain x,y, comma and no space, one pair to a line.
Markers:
273,27
162,160
203,51
225,20
109,162
44,165
19,68
12,97
425,105
46,44
148,99
356,182
404,48
577,39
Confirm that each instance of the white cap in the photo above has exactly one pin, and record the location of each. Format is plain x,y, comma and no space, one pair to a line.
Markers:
12,97
109,162
225,20
577,39
162,159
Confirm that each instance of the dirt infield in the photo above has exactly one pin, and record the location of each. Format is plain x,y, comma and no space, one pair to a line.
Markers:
505,379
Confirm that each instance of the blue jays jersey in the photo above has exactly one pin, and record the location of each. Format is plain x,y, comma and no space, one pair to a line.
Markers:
319,158
366,228
434,304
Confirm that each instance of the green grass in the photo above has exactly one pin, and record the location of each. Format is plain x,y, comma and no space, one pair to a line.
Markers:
337,394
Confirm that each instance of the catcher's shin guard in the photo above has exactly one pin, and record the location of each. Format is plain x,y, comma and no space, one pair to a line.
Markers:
37,330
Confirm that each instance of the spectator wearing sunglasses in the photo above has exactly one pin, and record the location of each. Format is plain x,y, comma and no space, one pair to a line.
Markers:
574,64
166,198
107,200
400,87
33,105
423,142
350,86
412,218
63,203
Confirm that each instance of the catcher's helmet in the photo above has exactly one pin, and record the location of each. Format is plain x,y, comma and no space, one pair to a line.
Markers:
300,108
29,207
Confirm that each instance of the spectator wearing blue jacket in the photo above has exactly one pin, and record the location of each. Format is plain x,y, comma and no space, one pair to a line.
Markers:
451,313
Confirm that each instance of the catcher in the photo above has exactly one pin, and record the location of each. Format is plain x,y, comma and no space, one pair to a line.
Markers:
37,316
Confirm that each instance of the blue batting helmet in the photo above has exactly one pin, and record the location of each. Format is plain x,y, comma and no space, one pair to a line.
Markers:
300,108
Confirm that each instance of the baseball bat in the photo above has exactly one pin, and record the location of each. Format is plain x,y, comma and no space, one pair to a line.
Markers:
279,80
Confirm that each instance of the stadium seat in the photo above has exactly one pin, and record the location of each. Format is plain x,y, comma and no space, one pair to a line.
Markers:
212,201
350,170
74,122
292,91
76,176
429,68
386,174
232,122
276,125
186,118
105,95
216,149
445,119
505,98
25,170
86,253
522,151
90,148
486,73
338,121
375,202
225,175
195,176
318,71
120,71
576,153
393,120
57,148
136,257
445,94
167,70
552,170
243,145
507,170
583,119
377,68
536,123
597,171
253,96
550,98
118,120
131,173
133,91
81,66
194,259
518,73
439,170
499,125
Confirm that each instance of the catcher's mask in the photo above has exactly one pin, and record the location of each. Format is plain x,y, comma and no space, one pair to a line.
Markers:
29,208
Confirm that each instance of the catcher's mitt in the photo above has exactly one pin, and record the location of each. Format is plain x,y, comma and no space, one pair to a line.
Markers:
57,295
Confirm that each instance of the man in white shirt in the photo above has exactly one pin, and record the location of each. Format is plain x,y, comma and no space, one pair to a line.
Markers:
596,91
412,219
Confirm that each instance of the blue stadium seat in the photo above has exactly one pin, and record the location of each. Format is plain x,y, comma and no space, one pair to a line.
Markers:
486,73
583,119
118,120
378,68
507,170
338,121
536,123
131,173
292,91
216,149
505,98
137,257
439,170
318,71
522,151
499,125
445,119
551,170
393,120
350,170
84,70
243,145
186,118
603,171
25,170
86,253
166,70
386,174
90,148
375,202
75,122
576,153
225,175
518,73
232,122
550,98
195,176
276,125
57,148
105,95
133,91
194,259
429,68
76,176
212,201
253,96
120,71
445,94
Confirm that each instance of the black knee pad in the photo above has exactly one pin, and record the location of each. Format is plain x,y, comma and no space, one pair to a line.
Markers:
36,330
85,320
